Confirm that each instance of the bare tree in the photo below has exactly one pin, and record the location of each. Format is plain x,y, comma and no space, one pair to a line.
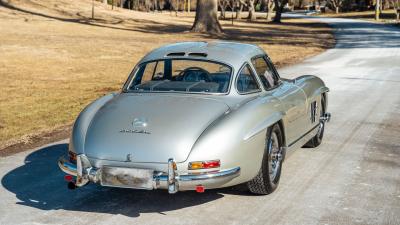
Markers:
269,8
206,19
223,4
396,6
239,9
252,10
279,5
337,4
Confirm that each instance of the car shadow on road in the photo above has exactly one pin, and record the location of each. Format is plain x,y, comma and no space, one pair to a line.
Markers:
39,183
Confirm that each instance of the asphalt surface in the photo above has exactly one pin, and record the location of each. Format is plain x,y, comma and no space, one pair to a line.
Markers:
352,178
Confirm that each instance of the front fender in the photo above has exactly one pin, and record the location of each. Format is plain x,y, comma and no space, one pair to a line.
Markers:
77,140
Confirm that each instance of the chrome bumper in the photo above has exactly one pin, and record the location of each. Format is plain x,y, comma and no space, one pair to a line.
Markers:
171,180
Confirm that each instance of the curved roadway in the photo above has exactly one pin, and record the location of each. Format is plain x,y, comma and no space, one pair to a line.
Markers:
352,178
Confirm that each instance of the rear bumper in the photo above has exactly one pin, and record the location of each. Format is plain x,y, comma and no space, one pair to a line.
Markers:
170,180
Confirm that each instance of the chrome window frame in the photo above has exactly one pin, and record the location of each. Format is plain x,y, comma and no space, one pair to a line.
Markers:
272,67
255,78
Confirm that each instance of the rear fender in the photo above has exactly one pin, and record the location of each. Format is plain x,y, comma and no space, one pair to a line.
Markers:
77,140
238,138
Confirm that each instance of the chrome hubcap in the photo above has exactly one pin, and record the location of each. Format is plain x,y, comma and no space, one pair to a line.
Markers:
275,156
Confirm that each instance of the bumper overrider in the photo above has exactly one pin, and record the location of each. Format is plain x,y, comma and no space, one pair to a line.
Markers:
143,179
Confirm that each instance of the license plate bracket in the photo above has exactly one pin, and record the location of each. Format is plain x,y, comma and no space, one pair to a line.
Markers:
127,177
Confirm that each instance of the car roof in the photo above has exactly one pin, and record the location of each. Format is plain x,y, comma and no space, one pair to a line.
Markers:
231,53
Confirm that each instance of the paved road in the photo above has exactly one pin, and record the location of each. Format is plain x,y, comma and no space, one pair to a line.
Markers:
353,178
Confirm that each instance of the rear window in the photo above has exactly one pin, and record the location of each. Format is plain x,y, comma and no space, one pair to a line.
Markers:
181,75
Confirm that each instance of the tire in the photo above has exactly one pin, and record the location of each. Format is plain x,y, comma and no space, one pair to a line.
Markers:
317,139
268,177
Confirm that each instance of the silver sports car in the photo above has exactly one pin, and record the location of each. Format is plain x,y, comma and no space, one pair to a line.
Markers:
196,116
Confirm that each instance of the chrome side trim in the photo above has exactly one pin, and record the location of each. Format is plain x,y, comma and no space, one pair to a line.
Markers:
304,135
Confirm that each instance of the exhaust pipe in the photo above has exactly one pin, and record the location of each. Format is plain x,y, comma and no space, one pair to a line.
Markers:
71,185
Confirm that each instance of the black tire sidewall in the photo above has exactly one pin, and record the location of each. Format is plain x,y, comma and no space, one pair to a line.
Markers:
271,184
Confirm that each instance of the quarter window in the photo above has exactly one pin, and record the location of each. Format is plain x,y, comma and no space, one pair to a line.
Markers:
265,72
246,81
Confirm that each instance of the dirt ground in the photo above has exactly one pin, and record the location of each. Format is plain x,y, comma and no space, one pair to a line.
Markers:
54,59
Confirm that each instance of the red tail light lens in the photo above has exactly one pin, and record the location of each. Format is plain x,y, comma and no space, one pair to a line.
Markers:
204,164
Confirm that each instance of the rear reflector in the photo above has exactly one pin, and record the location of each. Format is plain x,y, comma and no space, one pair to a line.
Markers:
200,189
204,164
68,178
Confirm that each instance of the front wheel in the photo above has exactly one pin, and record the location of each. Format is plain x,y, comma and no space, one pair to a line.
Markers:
267,179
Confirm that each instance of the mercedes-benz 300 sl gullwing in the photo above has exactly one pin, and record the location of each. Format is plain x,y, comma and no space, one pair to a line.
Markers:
197,116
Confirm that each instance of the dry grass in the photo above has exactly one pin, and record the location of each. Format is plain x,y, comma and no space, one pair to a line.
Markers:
54,60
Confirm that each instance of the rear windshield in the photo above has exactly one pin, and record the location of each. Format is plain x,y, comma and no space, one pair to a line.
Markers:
181,75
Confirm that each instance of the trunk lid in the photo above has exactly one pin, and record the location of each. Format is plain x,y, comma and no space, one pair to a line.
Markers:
150,128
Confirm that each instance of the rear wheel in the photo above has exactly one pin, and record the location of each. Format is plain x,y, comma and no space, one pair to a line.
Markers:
317,139
267,179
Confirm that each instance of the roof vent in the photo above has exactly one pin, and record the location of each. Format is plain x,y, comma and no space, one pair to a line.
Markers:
198,54
176,54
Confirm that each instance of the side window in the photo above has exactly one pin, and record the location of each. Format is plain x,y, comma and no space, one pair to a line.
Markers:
246,81
148,71
265,72
159,71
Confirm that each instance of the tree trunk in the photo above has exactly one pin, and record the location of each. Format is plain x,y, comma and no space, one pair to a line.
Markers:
206,19
300,4
377,12
155,5
279,4
252,11
239,11
222,5
264,5
397,14
337,9
270,8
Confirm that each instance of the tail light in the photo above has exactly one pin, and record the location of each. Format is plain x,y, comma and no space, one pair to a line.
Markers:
204,164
